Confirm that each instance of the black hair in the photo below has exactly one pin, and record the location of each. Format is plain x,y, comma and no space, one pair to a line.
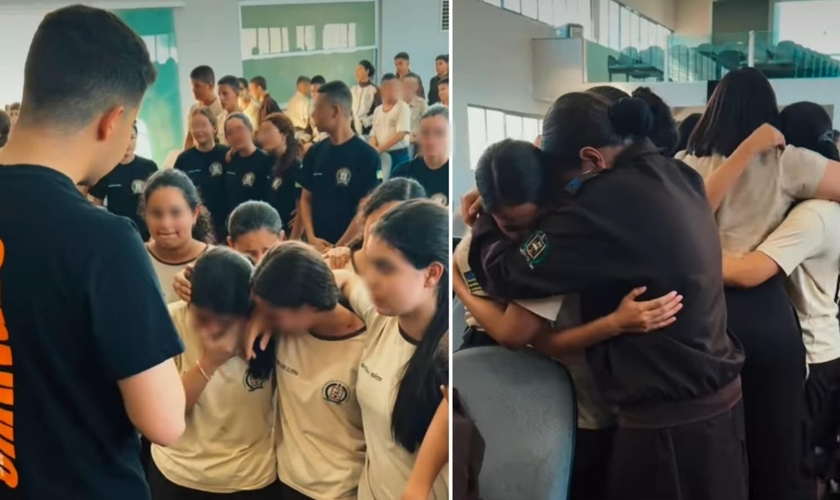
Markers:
743,101
289,159
442,361
685,129
403,56
579,119
5,127
443,57
836,135
231,81
419,230
413,75
82,62
134,127
371,71
260,82
510,173
664,131
808,125
318,80
293,275
611,94
203,229
339,95
221,282
435,110
387,77
15,106
243,83
253,216
444,81
396,189
203,74
303,79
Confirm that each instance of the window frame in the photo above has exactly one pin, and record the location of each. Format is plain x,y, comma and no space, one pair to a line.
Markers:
485,141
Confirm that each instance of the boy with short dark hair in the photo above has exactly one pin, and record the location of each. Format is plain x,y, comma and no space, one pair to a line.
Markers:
402,64
443,91
203,81
229,97
299,106
259,90
441,72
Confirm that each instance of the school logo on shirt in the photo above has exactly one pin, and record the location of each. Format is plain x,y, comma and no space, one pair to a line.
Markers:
535,249
342,177
138,186
216,169
440,198
253,383
275,185
336,392
248,179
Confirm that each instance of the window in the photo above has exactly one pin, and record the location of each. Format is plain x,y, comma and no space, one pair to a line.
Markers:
487,126
622,28
810,23
552,12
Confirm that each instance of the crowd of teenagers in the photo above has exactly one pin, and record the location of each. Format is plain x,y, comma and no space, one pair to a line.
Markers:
278,328
686,278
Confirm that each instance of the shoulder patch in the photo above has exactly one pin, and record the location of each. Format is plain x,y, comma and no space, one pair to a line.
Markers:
472,282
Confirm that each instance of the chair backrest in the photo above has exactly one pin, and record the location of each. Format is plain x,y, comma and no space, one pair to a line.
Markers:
523,404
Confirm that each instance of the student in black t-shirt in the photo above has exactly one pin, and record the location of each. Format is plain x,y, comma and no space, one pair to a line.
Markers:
337,172
124,185
86,343
277,136
204,164
441,72
248,174
431,169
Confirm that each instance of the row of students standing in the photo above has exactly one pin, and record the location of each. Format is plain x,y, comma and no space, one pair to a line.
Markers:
730,334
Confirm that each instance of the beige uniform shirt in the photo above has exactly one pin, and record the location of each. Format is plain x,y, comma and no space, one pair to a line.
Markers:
417,107
388,465
321,443
764,193
228,444
298,110
562,312
387,123
807,247
166,276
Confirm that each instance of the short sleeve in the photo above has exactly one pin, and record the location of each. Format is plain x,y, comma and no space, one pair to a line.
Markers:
100,189
799,237
404,119
361,302
131,327
304,176
801,172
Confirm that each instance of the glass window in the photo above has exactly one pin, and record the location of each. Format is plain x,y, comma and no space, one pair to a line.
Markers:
615,26
514,129
530,129
488,126
495,126
477,130
624,28
646,28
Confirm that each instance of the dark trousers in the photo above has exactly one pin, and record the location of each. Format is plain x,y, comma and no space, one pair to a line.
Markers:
288,493
773,384
164,489
593,450
705,460
822,404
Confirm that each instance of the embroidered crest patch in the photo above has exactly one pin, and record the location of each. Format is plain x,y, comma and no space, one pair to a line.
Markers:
535,249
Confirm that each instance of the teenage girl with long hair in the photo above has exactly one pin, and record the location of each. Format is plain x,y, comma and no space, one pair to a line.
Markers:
277,137
248,173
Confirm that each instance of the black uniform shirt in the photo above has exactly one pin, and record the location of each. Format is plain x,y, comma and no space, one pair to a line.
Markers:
284,193
247,178
122,189
435,182
646,222
207,171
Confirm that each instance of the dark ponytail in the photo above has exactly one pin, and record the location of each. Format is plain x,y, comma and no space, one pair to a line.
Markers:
203,228
663,131
419,229
510,173
808,125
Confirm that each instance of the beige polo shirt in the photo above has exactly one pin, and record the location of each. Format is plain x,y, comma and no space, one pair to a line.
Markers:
764,193
388,465
228,444
321,443
807,248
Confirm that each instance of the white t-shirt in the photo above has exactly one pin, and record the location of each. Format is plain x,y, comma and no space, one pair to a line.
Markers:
364,98
298,110
562,312
166,275
807,248
764,193
321,443
228,444
388,465
387,123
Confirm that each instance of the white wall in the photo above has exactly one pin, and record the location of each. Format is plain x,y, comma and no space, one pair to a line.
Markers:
411,26
492,67
661,11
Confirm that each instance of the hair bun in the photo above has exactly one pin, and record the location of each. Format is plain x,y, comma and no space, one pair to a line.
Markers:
631,116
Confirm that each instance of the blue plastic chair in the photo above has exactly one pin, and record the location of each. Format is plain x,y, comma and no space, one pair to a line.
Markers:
523,404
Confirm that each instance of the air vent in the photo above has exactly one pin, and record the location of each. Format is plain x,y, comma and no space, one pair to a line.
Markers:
444,15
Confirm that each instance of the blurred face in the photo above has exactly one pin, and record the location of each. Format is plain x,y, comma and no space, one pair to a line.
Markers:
202,130
229,98
286,320
132,145
315,87
238,134
304,88
13,114
434,136
516,222
169,217
441,67
244,92
202,91
396,287
255,90
271,139
256,243
375,216
443,92
324,113
409,89
401,65
361,74
209,324
389,90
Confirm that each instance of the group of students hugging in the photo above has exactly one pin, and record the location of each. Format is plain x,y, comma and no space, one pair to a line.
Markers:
690,293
